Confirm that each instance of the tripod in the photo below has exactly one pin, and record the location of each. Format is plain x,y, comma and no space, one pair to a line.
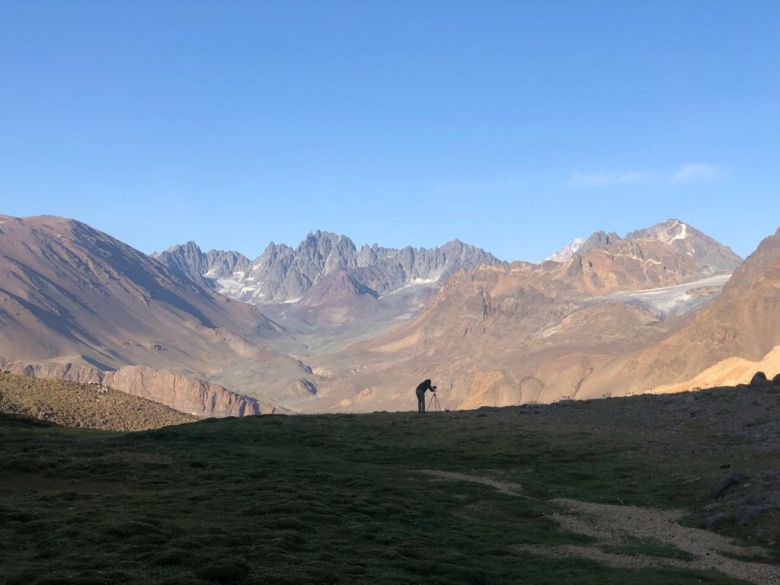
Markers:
433,403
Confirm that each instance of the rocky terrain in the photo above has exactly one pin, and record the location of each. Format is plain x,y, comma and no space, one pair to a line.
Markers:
72,404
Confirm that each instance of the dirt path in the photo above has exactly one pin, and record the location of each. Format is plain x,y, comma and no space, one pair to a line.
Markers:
504,487
610,524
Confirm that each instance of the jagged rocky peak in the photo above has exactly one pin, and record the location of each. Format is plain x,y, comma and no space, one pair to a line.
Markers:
225,262
598,240
185,259
282,274
190,261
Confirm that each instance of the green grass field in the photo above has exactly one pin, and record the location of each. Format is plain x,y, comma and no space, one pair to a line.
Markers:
341,498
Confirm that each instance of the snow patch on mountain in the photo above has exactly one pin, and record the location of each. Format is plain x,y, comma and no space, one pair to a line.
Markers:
673,300
682,235
565,254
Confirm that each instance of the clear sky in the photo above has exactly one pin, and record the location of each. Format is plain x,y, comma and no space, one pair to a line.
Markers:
515,126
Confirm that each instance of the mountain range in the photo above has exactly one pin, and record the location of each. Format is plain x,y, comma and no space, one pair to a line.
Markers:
328,326
508,334
282,274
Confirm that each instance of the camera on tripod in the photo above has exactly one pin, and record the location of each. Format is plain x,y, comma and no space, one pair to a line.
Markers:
433,403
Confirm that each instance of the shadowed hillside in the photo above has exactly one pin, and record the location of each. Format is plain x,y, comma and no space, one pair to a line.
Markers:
648,490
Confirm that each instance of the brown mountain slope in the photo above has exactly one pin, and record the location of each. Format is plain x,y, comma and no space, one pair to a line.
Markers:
743,322
70,294
83,405
507,334
69,290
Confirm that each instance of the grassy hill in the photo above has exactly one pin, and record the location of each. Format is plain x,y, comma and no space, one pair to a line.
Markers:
579,493
82,405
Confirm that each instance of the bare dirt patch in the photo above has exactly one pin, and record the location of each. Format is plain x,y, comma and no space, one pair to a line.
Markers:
504,487
610,524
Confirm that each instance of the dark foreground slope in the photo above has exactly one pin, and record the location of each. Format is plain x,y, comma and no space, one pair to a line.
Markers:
490,496
83,405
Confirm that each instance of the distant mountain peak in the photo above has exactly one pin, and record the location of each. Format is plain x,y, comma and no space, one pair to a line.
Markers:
565,254
600,239
668,231
665,253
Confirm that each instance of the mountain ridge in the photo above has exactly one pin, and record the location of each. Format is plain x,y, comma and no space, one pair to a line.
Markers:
282,274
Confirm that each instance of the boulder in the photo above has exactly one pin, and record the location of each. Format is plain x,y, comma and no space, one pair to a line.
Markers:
759,379
776,380
732,479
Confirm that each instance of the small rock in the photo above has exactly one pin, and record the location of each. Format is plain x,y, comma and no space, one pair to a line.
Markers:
732,479
759,379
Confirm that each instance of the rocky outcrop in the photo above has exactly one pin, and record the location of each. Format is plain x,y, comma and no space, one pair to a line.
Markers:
759,379
182,393
82,374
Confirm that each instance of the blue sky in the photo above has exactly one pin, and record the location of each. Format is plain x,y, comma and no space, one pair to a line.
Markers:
515,126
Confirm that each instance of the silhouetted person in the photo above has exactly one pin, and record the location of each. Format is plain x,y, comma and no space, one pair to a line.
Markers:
422,387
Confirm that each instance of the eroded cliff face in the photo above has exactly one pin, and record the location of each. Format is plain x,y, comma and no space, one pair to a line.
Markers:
180,392
183,393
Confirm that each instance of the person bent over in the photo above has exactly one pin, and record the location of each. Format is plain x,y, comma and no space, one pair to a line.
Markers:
422,387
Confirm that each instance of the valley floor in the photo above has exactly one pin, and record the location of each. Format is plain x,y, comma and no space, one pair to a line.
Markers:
612,491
